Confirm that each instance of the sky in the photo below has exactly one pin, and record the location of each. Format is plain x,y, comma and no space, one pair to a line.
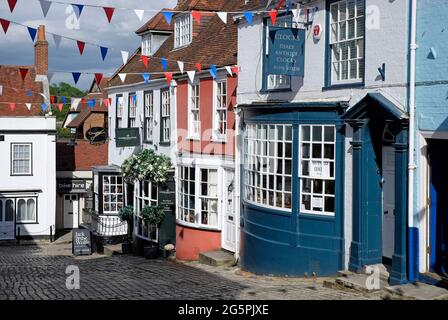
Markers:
16,47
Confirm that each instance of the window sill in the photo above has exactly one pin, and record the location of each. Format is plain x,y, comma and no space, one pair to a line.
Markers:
164,143
267,91
26,222
197,226
22,175
219,139
194,138
148,142
316,216
268,209
338,86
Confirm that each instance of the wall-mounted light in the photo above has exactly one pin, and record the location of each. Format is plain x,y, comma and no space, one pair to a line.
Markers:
382,71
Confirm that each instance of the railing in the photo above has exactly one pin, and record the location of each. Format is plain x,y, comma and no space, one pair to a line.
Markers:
104,225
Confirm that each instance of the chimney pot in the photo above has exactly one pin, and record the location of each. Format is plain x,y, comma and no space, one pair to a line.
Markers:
41,52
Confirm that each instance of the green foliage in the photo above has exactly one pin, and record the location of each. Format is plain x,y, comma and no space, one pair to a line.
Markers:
126,213
146,165
64,90
153,214
64,133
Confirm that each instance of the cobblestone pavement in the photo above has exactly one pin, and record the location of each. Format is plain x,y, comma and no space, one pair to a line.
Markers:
38,273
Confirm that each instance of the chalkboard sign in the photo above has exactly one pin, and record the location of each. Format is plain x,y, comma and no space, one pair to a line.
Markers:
167,196
82,244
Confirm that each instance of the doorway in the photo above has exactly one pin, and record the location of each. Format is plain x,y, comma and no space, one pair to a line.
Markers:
7,213
229,231
388,203
71,211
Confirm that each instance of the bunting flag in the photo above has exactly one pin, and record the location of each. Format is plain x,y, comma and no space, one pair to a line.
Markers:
139,14
75,103
23,73
122,77
196,16
273,16
235,70
92,103
81,46
145,60
104,52
12,106
164,63
12,4
60,106
169,77
83,101
28,106
32,33
191,75
64,100
78,9
57,40
125,56
1,90
98,78
213,71
249,17
146,77
229,71
168,16
199,67
76,76
181,66
5,25
45,6
109,13
43,106
52,99
222,16
106,102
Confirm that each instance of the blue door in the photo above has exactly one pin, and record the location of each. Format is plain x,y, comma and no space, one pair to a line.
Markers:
438,157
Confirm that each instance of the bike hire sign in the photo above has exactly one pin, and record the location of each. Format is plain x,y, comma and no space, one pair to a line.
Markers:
286,51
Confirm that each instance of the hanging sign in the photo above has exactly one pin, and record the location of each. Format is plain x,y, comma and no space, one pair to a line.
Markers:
127,137
286,51
71,186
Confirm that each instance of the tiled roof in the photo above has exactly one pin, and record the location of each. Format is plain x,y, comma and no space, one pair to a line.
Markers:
157,23
15,90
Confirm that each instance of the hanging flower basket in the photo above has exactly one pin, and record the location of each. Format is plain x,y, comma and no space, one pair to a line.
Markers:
146,165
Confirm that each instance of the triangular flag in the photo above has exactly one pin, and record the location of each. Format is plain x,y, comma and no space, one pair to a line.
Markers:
5,25
229,70
81,46
43,106
76,76
92,103
199,67
139,14
104,52
29,93
169,77
50,75
196,16
23,73
45,5
32,33
249,16
52,99
191,75
106,102
98,78
168,15
12,106
60,106
213,71
1,90
222,16
57,40
296,14
12,4
109,13
28,106
83,101
235,70
78,9
64,100
164,63
75,103
181,66
125,56
146,77
122,76
273,15
145,60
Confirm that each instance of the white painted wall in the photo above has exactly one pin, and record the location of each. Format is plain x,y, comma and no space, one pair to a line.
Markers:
32,130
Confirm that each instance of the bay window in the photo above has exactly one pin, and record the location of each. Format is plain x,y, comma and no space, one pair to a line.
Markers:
113,199
21,159
146,194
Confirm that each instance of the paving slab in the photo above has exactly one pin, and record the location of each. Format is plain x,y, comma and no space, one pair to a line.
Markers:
419,291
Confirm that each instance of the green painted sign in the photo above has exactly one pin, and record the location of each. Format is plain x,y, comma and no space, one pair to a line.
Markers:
286,51
127,137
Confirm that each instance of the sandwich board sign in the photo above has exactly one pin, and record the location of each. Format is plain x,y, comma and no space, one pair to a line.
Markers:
82,242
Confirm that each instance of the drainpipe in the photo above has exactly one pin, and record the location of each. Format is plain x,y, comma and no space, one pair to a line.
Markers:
237,203
412,165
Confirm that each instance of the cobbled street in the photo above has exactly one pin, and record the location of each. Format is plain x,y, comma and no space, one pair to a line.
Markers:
39,273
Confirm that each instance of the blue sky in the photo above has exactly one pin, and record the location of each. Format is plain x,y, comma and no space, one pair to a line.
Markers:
16,48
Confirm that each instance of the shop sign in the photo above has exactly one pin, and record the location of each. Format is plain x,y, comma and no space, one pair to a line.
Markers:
167,196
82,243
127,137
71,186
286,51
319,169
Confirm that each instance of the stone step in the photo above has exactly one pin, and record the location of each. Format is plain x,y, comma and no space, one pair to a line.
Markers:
217,258
360,282
418,291
112,249
384,273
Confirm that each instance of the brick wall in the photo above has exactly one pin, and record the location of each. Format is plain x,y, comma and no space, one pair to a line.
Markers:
82,157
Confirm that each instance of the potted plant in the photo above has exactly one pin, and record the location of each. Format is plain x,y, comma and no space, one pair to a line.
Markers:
126,214
153,215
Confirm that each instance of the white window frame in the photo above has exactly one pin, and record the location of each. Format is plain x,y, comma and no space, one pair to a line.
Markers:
146,44
132,110
140,197
194,111
119,110
149,116
220,108
17,208
26,170
340,40
183,30
165,116
267,174
110,193
315,178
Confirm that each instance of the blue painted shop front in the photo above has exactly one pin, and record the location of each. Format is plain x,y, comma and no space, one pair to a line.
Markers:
305,235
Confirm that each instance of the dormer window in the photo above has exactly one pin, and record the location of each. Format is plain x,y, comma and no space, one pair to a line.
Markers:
146,44
182,31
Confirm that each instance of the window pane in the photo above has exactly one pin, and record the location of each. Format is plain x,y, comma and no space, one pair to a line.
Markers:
31,210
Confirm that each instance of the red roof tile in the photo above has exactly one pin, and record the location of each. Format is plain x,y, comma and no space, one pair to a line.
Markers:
157,23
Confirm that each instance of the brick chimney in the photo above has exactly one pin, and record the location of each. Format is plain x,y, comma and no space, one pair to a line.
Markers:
41,52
